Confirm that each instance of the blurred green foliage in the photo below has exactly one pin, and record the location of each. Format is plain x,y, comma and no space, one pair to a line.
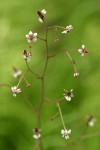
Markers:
17,120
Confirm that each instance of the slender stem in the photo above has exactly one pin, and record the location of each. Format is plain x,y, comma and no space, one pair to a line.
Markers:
3,84
34,73
85,136
62,51
41,39
36,145
73,62
53,27
29,103
43,84
27,83
46,41
53,117
54,101
58,105
21,78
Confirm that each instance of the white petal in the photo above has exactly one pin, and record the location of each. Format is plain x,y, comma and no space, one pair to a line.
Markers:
35,136
83,46
68,98
35,34
43,12
66,137
29,41
69,131
40,20
30,33
34,39
62,131
14,87
80,50
39,135
70,26
91,123
63,135
82,54
27,36
18,90
64,32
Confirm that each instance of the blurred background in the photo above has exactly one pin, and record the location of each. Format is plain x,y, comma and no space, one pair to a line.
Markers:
17,120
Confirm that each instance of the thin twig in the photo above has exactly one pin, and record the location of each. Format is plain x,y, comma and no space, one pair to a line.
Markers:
21,78
73,62
58,105
41,38
34,73
6,85
55,27
62,51
54,101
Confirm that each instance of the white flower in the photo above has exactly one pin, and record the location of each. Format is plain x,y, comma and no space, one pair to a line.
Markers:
91,121
68,95
68,29
41,15
31,37
65,133
27,55
76,74
16,73
83,50
36,133
15,90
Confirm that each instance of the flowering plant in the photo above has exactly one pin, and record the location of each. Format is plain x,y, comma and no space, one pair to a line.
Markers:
68,95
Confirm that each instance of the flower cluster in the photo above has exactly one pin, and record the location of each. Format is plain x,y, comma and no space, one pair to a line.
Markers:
83,50
15,90
41,15
76,74
68,95
65,133
91,121
31,37
16,73
36,133
68,29
27,55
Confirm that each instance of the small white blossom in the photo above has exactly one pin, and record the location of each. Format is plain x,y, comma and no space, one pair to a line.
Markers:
41,15
83,50
16,73
15,90
27,55
91,121
36,133
65,133
68,95
68,29
76,74
31,37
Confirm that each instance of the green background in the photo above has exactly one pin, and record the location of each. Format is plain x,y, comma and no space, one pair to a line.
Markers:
17,120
